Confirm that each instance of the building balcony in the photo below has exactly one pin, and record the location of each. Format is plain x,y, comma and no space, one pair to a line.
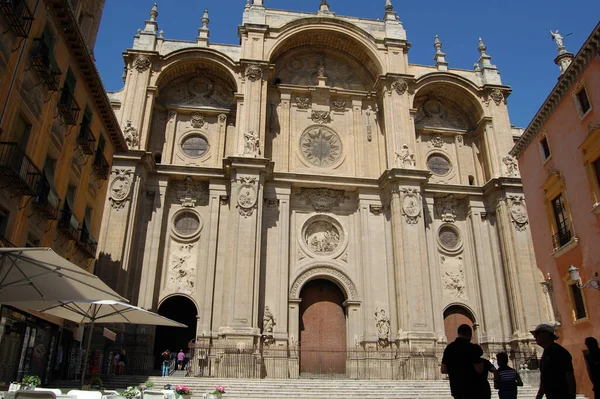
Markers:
101,166
561,238
17,170
68,107
47,201
43,62
18,16
87,244
68,224
86,140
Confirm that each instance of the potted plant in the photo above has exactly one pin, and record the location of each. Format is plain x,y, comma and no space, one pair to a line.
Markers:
31,381
131,392
217,393
149,384
182,391
96,382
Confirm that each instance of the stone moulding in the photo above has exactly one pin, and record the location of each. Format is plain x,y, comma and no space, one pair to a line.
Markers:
328,273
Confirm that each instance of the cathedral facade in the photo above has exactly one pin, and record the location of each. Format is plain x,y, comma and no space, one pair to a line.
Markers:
311,188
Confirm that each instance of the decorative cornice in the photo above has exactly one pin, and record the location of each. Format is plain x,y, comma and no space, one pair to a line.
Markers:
566,80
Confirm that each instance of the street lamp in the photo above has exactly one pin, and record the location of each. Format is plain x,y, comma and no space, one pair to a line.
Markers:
593,283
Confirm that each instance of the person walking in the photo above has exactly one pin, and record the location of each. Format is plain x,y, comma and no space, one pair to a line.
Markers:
166,355
557,379
592,361
506,379
461,361
180,359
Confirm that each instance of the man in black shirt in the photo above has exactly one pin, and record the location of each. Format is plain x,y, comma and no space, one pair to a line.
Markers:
460,362
592,361
557,380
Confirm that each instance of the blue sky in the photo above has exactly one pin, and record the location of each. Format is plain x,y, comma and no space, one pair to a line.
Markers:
515,32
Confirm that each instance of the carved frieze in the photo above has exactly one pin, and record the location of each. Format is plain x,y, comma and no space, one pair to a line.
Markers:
411,205
432,113
322,199
253,73
197,120
453,276
303,102
247,195
447,208
320,117
131,136
405,158
437,141
189,192
338,105
518,212
251,144
203,89
335,274
142,63
182,273
322,237
120,187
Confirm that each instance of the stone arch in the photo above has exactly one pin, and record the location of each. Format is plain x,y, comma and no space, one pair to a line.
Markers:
166,297
328,271
455,314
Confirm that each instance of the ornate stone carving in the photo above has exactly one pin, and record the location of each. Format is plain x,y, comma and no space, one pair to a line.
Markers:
432,113
197,120
399,86
337,275
120,187
247,195
368,113
512,170
497,96
376,209
322,237
222,118
321,117
254,73
338,105
268,322
303,102
321,146
447,208
518,212
437,141
453,276
142,63
190,192
411,205
131,135
322,199
203,89
182,272
251,144
382,322
405,158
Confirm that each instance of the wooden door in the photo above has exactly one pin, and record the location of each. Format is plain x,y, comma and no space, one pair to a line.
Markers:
454,316
322,329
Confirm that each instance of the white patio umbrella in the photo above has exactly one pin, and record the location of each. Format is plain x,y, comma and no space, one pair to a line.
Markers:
40,274
92,312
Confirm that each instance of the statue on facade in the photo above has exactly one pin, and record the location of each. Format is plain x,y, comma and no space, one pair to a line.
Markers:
268,322
251,143
383,325
511,165
558,38
405,159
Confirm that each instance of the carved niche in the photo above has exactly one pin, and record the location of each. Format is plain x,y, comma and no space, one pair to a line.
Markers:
447,208
120,187
247,195
453,276
200,90
322,199
432,113
320,146
131,136
518,212
411,205
182,273
190,192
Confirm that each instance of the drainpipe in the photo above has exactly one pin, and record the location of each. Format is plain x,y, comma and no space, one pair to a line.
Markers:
14,77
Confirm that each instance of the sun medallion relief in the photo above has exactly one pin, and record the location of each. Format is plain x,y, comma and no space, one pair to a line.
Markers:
321,146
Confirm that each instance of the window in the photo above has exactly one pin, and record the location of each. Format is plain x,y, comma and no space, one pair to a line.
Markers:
544,148
22,130
194,146
563,233
187,223
596,165
583,101
578,304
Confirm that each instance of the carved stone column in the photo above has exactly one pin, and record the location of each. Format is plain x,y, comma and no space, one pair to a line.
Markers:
139,70
399,129
252,111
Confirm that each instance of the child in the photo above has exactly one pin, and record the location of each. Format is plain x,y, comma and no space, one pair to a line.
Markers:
506,379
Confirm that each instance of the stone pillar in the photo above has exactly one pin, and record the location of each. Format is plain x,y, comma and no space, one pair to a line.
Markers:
169,146
399,129
252,111
285,133
146,121
136,90
359,128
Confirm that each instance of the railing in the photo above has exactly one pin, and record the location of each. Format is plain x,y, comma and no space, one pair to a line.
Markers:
17,169
561,238
68,107
101,166
5,243
86,139
47,200
68,224
86,243
43,62
18,15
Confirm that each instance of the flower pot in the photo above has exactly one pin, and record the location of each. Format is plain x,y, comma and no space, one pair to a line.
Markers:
214,396
183,396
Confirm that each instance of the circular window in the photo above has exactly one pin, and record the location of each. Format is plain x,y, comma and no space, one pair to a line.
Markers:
194,146
438,164
186,223
321,146
449,238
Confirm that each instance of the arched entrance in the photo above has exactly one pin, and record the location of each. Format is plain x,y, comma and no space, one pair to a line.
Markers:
454,316
183,310
322,329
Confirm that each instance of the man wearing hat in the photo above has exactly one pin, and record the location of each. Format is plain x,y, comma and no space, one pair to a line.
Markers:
557,380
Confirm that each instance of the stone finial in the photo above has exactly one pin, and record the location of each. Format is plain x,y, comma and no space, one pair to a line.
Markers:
390,15
161,34
205,20
484,59
564,58
151,26
154,12
490,73
247,4
440,57
482,47
324,7
257,2
204,32
388,5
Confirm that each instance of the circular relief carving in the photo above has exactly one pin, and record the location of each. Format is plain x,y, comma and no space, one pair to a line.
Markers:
194,146
323,236
439,164
321,146
186,223
449,238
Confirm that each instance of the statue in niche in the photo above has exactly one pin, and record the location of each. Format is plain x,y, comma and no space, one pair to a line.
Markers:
251,143
511,165
383,325
321,67
405,159
268,321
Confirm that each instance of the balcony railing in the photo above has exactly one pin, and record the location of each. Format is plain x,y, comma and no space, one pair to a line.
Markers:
86,140
86,243
4,243
561,238
68,224
43,62
47,201
101,166
17,170
68,107
18,16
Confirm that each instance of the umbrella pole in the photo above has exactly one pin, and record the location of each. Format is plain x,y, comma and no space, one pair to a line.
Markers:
87,352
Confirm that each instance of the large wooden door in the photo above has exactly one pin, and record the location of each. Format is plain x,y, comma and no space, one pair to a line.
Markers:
454,316
322,329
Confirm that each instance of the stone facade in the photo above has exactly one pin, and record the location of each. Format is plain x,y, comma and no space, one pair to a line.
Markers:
314,150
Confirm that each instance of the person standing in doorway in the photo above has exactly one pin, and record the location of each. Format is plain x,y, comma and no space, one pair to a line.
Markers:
461,361
592,361
506,379
166,356
180,359
557,380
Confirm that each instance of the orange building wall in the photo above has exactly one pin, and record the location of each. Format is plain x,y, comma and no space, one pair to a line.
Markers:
565,132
